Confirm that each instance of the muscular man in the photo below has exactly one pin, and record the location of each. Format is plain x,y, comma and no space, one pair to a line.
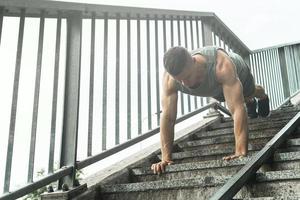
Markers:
209,72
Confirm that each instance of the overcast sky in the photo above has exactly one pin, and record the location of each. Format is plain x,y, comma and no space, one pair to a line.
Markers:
258,23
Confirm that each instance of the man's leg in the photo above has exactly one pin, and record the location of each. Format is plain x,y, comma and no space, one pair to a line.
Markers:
251,105
263,101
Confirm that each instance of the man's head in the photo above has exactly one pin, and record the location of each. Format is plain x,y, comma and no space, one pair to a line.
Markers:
176,59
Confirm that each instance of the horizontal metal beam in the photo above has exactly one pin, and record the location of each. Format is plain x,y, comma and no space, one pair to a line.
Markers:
237,181
276,46
38,184
33,7
98,157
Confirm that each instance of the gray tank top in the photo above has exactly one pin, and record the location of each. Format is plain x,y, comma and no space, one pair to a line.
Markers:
210,86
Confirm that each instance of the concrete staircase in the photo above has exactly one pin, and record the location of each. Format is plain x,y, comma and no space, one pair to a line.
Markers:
199,171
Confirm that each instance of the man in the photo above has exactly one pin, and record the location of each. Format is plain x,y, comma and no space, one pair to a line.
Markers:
209,72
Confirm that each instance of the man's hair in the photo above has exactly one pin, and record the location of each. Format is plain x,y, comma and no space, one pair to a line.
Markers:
175,59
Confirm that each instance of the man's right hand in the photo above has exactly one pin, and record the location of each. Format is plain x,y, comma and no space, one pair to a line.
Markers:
159,167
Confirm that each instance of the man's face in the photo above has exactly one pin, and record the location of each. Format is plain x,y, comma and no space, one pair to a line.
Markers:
188,77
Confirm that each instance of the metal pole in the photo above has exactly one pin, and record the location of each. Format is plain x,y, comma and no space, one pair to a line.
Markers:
72,94
54,99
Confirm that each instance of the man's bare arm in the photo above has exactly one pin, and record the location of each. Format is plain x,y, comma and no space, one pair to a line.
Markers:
167,122
233,92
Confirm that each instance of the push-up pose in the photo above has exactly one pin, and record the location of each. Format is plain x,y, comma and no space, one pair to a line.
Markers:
209,72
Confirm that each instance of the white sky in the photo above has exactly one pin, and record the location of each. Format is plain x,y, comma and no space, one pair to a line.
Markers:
258,23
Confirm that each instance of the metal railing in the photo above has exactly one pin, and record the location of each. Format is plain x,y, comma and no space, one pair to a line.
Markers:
128,40
112,65
277,69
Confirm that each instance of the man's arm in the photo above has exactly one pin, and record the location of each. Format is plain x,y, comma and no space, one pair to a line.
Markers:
167,122
233,92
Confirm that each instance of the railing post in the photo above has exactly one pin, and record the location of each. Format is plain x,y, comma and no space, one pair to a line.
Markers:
71,101
284,74
1,21
207,40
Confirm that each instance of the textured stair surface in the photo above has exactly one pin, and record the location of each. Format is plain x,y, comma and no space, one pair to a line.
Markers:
199,171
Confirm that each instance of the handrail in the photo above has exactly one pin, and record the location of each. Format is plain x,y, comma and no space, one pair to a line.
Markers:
38,184
287,100
84,163
237,181
34,7
276,46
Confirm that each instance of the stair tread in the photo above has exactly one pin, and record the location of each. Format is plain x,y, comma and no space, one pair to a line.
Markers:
211,164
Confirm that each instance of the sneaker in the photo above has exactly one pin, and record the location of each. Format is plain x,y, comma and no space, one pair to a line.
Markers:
251,109
263,107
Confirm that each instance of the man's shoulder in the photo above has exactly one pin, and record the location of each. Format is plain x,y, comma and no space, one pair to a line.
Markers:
169,83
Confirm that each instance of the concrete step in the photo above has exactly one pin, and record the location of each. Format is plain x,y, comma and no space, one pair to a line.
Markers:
253,143
211,154
281,161
253,127
284,183
251,122
279,183
226,139
222,133
290,112
199,188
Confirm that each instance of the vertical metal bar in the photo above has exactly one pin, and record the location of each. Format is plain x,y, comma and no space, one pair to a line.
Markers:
139,82
198,36
278,75
275,73
198,46
272,76
284,73
117,97
215,39
187,46
71,99
206,39
172,31
258,67
193,46
164,33
179,44
1,21
295,67
128,78
263,68
282,93
149,74
268,74
55,91
12,125
157,73
36,99
91,91
104,97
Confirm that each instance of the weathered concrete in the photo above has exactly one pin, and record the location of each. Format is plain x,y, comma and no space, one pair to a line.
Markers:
229,131
199,171
226,139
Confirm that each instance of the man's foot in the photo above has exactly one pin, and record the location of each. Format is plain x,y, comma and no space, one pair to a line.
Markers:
234,156
251,109
263,107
